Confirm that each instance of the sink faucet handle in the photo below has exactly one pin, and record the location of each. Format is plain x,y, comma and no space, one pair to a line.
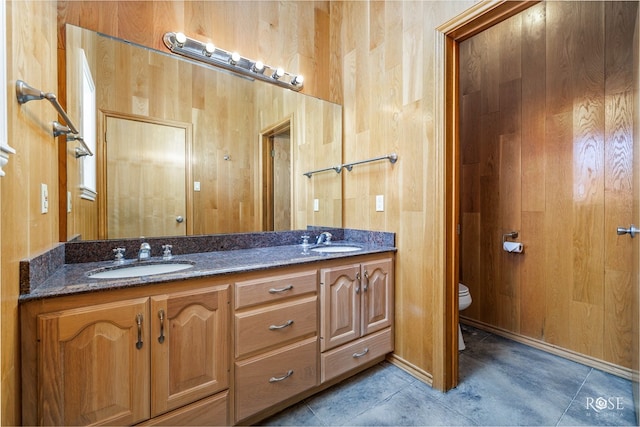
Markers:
166,252
119,255
305,240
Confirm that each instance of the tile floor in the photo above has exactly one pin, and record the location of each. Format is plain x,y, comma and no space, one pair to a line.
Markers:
501,383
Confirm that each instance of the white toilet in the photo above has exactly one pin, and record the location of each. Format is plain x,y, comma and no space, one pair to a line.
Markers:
464,301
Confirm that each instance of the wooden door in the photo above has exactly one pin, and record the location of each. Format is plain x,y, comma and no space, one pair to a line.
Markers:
93,365
277,181
340,293
282,182
377,295
190,347
145,179
635,274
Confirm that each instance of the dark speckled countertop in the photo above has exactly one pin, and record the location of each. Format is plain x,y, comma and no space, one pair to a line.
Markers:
53,274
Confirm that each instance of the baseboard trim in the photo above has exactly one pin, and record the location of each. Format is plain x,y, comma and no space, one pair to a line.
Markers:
593,362
411,369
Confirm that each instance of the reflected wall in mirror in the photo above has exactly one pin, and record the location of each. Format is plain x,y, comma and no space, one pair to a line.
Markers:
234,173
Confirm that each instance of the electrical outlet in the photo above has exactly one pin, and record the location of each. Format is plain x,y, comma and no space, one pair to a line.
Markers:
44,198
196,185
68,201
379,203
316,205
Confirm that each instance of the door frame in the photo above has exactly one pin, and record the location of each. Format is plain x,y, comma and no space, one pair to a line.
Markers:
266,171
449,35
101,166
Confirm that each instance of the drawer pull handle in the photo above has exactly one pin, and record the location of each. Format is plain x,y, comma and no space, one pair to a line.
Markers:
139,323
284,325
161,316
362,353
279,290
278,379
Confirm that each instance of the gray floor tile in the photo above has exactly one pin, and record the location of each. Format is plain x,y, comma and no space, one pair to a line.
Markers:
411,407
347,400
602,400
501,383
297,415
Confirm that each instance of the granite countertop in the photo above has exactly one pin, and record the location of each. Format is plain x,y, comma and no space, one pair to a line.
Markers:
72,278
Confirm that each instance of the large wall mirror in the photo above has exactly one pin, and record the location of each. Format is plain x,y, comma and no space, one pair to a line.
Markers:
182,148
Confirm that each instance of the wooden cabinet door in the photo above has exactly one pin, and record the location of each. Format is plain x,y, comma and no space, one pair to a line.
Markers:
190,347
340,294
93,365
377,295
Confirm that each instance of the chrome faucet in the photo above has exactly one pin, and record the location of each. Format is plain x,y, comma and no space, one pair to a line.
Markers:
324,237
144,252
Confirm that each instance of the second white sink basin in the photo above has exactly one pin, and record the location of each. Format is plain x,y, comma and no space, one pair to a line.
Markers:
139,270
336,248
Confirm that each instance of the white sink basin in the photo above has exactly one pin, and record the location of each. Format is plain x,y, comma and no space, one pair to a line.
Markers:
336,249
139,270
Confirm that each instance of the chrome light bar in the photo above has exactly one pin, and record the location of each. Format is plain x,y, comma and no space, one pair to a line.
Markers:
231,61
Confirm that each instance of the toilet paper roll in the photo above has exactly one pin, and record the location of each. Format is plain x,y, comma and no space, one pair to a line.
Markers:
513,247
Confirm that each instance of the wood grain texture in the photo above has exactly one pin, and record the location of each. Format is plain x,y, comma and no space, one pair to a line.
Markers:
30,31
556,166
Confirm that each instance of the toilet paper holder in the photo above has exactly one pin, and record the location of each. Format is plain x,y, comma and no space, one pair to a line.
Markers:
511,247
511,235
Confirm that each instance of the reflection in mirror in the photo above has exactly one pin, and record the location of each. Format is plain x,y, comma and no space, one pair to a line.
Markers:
182,148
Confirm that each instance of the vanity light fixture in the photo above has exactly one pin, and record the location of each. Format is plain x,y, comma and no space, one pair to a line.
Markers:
231,61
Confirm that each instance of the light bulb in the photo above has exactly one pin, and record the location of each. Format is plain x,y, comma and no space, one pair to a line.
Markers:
277,74
258,67
181,39
235,57
209,48
297,80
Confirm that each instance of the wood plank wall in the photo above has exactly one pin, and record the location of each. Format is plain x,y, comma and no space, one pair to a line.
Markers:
385,53
140,82
31,56
547,142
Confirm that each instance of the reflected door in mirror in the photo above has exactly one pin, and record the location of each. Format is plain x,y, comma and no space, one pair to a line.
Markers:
146,179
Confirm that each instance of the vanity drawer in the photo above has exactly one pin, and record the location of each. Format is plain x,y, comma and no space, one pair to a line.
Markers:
349,356
273,289
275,325
268,379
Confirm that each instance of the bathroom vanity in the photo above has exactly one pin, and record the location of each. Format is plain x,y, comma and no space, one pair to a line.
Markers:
235,338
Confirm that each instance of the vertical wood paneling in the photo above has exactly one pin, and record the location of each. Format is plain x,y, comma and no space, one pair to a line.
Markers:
389,107
560,175
31,56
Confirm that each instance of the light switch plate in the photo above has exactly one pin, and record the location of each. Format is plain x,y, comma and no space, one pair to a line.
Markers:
196,185
44,198
316,205
379,203
68,201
